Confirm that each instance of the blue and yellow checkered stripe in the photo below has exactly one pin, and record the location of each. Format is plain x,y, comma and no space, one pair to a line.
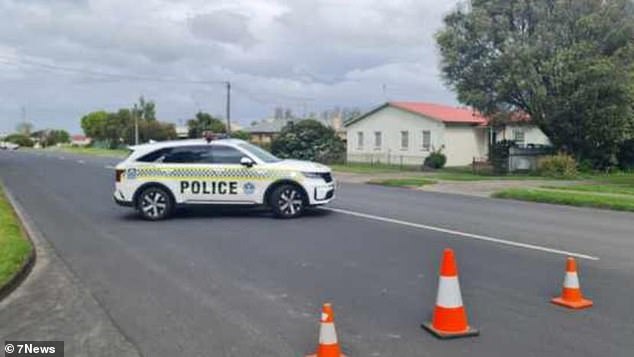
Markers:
146,173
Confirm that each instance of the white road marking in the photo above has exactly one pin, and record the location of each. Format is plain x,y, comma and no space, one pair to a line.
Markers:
81,162
464,234
109,167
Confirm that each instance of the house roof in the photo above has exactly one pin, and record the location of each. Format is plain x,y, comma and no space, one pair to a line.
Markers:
442,113
272,125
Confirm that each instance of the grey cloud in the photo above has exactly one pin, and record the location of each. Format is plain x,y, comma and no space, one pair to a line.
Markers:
314,53
222,26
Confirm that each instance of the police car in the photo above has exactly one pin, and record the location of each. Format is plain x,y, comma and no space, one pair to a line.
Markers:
156,178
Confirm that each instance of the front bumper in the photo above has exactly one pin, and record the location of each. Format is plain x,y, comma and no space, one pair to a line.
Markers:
321,193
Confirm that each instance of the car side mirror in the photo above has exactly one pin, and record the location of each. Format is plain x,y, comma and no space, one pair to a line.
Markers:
245,161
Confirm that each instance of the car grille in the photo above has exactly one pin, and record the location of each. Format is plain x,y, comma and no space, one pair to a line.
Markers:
326,176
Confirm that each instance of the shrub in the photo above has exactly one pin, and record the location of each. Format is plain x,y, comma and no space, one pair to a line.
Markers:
309,140
19,139
560,165
435,160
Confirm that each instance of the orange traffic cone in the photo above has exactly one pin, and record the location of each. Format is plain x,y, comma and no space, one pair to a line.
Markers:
571,296
328,344
450,317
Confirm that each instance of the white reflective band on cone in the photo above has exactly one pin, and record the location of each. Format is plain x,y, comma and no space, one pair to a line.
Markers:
448,292
571,280
327,334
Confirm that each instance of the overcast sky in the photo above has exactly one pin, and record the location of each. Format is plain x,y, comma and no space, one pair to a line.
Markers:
304,54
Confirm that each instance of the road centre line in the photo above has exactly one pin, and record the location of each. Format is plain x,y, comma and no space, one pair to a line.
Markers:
463,234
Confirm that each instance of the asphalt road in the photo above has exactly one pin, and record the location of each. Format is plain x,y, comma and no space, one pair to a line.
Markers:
240,283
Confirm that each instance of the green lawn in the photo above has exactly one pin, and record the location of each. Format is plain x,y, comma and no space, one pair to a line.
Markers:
448,174
363,168
403,182
595,199
605,188
14,247
469,176
92,151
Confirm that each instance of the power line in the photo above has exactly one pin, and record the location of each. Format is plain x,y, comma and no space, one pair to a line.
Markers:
54,68
117,76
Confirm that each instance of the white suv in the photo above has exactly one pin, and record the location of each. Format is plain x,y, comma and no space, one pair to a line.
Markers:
157,177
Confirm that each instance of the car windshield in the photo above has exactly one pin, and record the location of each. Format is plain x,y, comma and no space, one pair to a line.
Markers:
259,153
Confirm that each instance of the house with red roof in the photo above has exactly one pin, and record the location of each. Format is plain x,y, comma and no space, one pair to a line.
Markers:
80,140
407,132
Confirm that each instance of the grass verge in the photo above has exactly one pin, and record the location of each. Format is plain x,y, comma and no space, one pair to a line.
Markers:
468,176
14,246
615,189
121,153
363,168
403,182
446,174
570,198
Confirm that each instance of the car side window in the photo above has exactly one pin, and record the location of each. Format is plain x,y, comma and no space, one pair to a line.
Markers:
189,155
154,156
226,155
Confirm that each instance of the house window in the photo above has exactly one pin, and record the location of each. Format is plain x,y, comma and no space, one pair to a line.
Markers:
377,139
426,140
404,140
360,140
519,137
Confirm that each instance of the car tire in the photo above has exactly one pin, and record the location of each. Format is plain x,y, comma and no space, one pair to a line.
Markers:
154,203
287,201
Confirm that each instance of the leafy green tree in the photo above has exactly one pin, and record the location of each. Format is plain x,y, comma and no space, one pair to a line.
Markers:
144,110
60,136
205,122
50,137
156,130
309,140
240,134
93,124
568,64
118,128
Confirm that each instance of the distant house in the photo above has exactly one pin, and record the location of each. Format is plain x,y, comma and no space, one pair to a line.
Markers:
265,131
182,131
407,132
80,140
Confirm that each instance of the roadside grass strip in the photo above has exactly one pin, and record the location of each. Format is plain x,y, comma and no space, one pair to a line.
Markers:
614,189
403,182
363,168
593,199
120,153
468,176
14,246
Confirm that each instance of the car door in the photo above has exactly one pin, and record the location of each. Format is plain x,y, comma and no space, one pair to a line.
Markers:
186,170
235,183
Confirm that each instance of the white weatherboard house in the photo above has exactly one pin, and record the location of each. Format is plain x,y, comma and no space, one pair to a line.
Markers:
407,132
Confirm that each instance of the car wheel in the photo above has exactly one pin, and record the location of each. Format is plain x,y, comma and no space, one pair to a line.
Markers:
287,201
154,204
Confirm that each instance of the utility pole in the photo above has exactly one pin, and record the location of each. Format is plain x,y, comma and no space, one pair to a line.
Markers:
228,108
136,125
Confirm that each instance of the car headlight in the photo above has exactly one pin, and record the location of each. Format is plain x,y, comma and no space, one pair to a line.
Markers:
312,175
